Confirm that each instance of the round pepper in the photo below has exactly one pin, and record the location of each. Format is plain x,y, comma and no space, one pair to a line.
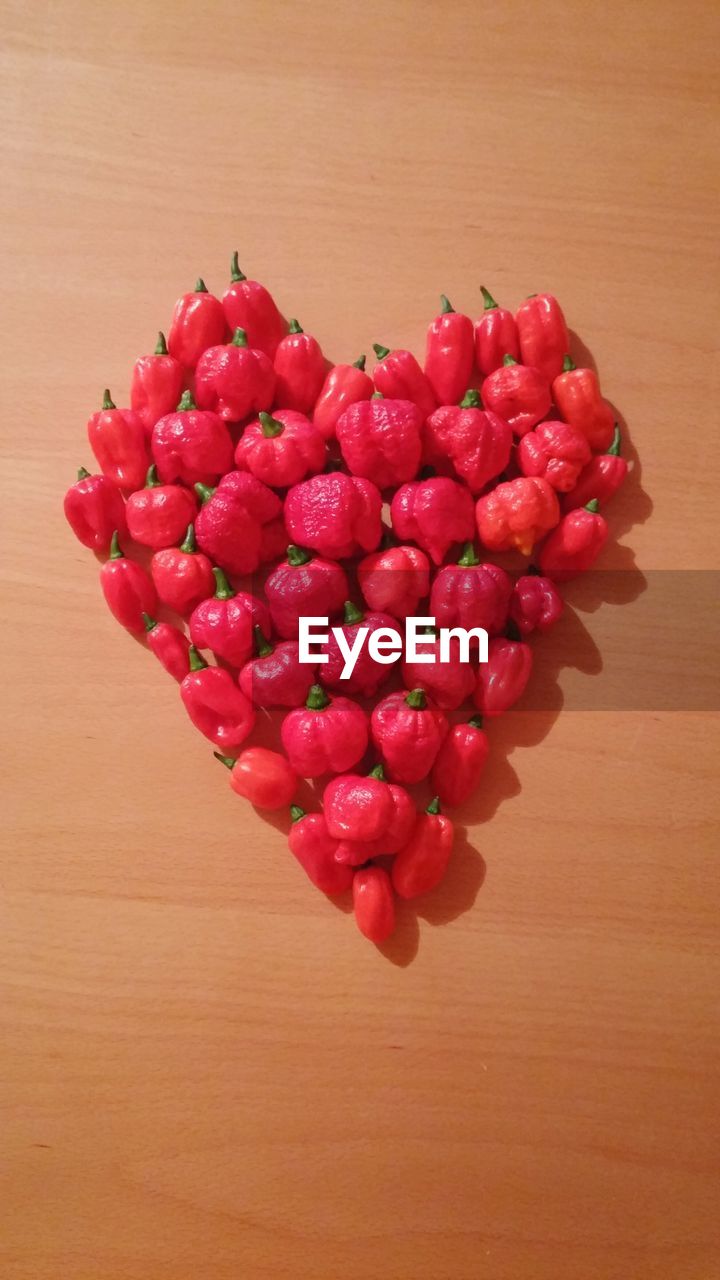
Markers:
421,865
198,323
182,575
263,777
118,440
577,395
475,443
543,334
314,848
575,545
460,762
94,509
407,731
367,674
170,646
225,622
380,440
276,677
470,594
233,520
215,704
156,386
344,385
435,513
158,515
394,580
536,604
368,815
450,354
448,683
556,451
398,376
502,679
373,903
327,735
281,450
234,380
335,515
128,591
248,305
518,393
601,478
191,445
304,586
495,335
517,514
299,370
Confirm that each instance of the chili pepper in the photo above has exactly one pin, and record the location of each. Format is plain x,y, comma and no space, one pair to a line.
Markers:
94,509
447,682
399,377
536,604
394,580
327,735
421,865
435,513
304,586
117,438
495,335
519,394
234,380
273,540
460,762
577,395
127,589
368,815
600,479
556,451
380,440
198,323
157,383
191,445
229,526
450,354
335,515
476,444
281,450
248,305
215,704
575,545
407,731
158,515
517,514
170,646
470,594
299,370
263,777
314,848
344,385
373,903
225,622
182,575
543,334
276,677
367,674
502,679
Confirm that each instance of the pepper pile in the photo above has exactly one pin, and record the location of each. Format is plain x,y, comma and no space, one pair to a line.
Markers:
257,474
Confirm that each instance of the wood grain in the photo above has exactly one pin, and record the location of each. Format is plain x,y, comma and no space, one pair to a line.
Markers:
206,1071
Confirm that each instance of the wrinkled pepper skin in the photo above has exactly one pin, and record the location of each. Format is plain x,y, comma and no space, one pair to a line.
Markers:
398,376
502,679
380,440
520,395
156,387
577,395
421,865
225,622
261,776
435,513
575,545
215,704
448,683
335,515
327,735
198,323
314,847
118,440
191,445
170,646
304,585
477,444
600,479
394,580
94,509
367,675
299,370
234,380
276,677
182,575
460,762
517,514
281,450
248,305
543,334
407,730
374,903
231,522
128,591
344,385
556,451
469,594
158,515
450,354
368,815
536,604
495,336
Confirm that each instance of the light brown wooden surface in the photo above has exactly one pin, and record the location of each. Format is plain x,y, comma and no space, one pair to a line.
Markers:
206,1072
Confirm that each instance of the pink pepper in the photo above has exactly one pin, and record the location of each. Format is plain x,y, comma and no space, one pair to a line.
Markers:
435,513
157,383
327,735
600,479
556,451
94,509
394,580
335,515
460,762
518,394
448,683
276,677
299,370
367,674
475,443
450,354
536,604
368,815
248,305
182,575
374,903
225,622
543,334
215,704
273,540
170,646
344,385
421,865
495,335
230,524
407,730
158,515
575,544
398,376
470,594
380,440
502,679
304,586
234,380
117,438
314,847
281,449
191,445
198,323
128,591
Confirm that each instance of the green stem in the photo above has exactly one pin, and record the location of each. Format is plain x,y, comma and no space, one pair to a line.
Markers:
434,806
108,402
446,306
471,399
83,473
377,772
186,402
223,590
294,327
317,699
416,699
614,449
200,286
150,623
296,812
228,761
377,395
115,552
468,559
476,722
298,555
236,274
263,648
568,364
239,338
197,662
593,506
204,492
271,427
359,363
508,359
189,546
352,614
161,345
490,303
380,351
151,479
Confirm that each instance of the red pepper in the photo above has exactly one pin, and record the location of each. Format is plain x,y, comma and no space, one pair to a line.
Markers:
215,704
94,509
276,677
536,603
517,514
394,580
367,675
198,323
502,679
421,865
263,777
248,305
230,523
235,380
470,594
575,545
373,903
519,394
335,515
543,334
460,762
225,622
182,575
281,450
299,370
450,354
407,731
128,590
314,848
273,540
170,646
495,335
327,735
475,443
380,440
344,385
191,445
601,478
556,451
399,377
158,515
368,815
447,683
577,395
117,438
304,586
157,383
435,513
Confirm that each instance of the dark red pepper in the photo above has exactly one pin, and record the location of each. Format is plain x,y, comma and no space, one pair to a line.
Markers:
502,679
344,385
94,509
470,594
215,704
460,762
118,440
261,776
276,677
407,731
536,604
127,589
577,395
170,646
374,903
601,478
299,370
435,513
314,847
556,451
225,622
394,580
575,544
518,394
304,586
475,443
380,440
368,815
421,865
281,450
158,515
399,377
248,305
156,386
450,354
182,575
198,323
335,515
327,735
191,445
235,380
367,674
448,682
543,334
495,335
233,521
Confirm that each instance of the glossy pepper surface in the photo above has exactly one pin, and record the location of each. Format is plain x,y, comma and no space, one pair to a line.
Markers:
518,394
495,336
374,903
517,514
407,730
117,438
327,735
225,622
367,674
450,354
476,443
577,395
313,846
198,323
304,585
233,520
215,704
191,445
281,449
536,603
157,383
170,646
368,815
470,594
502,679
398,376
575,545
380,440
556,451
335,515
600,479
543,334
182,575
250,306
261,776
94,509
234,379
299,370
460,762
436,513
344,385
421,865
448,683
276,677
394,580
128,591
158,515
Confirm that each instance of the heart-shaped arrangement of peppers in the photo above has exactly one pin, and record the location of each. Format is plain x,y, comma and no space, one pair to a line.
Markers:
252,485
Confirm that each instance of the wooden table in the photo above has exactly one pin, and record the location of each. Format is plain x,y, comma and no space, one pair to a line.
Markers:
206,1071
